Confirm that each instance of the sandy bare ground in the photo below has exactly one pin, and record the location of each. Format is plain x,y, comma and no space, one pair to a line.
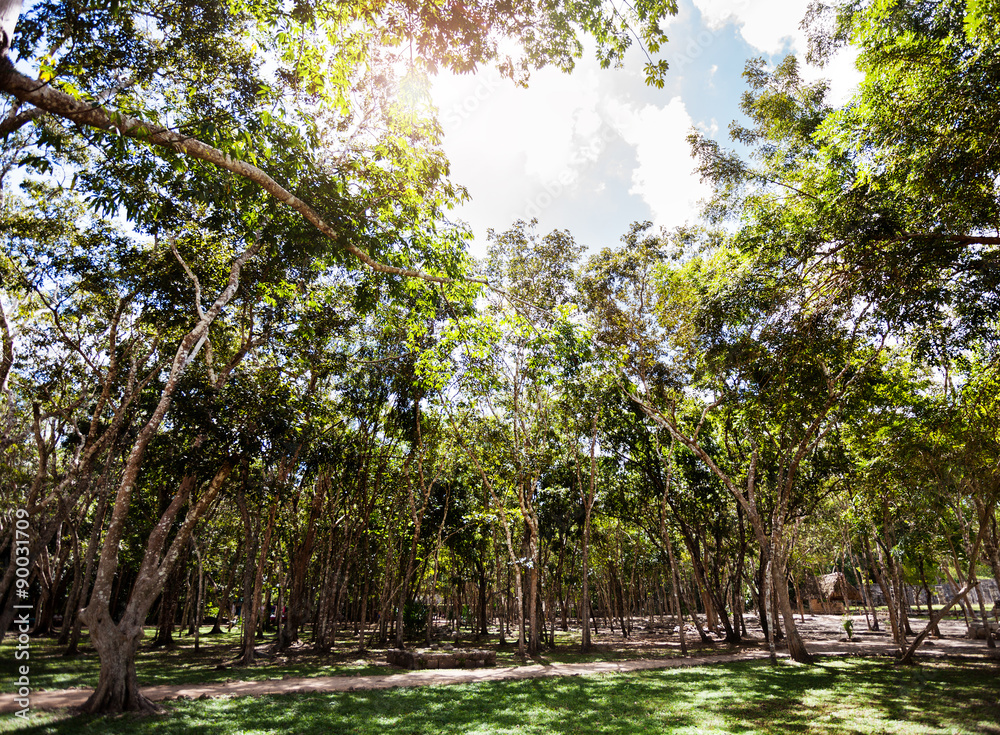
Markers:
822,633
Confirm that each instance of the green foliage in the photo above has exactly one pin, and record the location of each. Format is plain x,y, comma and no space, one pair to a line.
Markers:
848,625
414,619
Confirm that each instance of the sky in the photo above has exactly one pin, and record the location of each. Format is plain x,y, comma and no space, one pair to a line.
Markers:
597,149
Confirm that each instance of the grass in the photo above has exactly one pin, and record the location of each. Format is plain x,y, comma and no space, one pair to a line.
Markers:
183,665
849,696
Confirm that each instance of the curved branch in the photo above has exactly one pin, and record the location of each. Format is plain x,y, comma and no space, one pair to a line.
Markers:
7,361
18,121
61,104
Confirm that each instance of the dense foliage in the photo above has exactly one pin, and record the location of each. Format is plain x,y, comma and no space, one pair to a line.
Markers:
248,366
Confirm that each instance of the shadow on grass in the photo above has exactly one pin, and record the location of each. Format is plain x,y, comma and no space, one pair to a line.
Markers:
181,664
838,696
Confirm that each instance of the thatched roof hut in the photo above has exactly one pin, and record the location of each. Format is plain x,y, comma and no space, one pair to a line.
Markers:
836,588
809,588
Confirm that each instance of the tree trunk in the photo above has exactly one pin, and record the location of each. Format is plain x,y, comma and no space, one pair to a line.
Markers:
363,623
907,657
199,602
299,567
588,506
693,612
930,600
72,646
763,594
117,685
250,617
482,582
962,602
766,606
72,599
887,592
796,647
534,643
866,592
675,583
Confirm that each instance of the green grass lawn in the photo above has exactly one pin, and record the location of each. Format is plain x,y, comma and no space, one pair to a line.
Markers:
183,665
849,696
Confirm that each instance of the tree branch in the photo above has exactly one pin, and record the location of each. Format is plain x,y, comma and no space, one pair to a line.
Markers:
64,105
18,121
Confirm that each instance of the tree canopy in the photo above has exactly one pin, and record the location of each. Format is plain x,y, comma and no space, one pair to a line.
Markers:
242,339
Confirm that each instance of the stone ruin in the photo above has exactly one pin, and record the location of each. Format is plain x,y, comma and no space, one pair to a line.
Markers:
977,631
457,659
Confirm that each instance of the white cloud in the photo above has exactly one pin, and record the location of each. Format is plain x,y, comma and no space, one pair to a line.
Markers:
841,72
765,24
665,177
772,27
596,149
536,130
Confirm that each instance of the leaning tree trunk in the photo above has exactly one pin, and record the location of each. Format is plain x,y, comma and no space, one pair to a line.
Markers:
796,647
118,687
907,658
72,646
972,550
250,616
534,643
674,583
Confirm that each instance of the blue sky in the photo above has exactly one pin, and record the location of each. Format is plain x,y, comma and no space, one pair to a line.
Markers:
597,149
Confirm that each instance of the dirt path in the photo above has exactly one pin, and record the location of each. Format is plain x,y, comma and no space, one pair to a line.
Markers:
819,632
61,698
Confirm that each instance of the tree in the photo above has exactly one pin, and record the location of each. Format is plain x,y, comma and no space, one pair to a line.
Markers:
157,91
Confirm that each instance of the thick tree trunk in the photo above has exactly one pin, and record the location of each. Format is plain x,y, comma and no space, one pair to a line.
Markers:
118,685
765,595
796,647
116,644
